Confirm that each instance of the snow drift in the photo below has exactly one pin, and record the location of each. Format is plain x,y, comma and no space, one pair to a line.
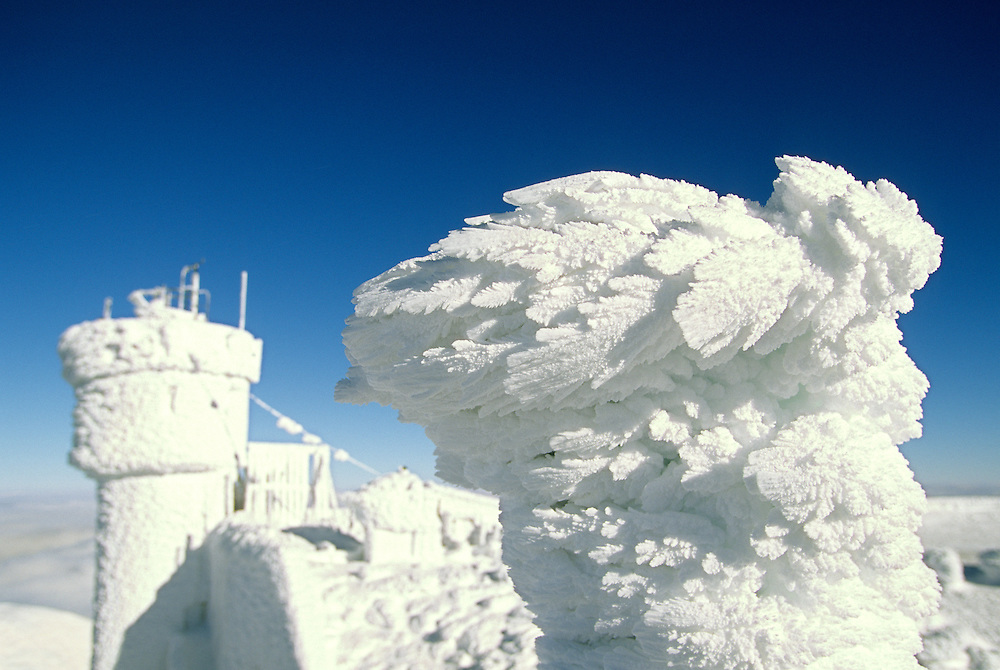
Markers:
689,406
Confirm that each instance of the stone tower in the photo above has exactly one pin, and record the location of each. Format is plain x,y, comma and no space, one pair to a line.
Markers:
161,414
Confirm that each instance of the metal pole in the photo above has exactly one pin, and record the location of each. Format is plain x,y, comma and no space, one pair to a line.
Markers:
181,287
243,300
195,287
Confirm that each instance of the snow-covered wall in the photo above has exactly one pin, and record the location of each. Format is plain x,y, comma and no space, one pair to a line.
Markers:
265,606
689,406
162,403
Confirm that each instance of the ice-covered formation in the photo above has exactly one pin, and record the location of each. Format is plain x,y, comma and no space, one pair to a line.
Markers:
161,413
689,406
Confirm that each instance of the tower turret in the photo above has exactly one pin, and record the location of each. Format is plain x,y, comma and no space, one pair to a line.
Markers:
161,414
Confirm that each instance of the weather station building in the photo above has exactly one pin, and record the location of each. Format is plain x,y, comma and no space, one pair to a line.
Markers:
216,552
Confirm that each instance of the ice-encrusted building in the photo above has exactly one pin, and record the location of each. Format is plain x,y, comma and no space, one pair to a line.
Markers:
215,552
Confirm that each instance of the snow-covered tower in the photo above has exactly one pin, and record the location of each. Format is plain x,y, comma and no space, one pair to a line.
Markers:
162,412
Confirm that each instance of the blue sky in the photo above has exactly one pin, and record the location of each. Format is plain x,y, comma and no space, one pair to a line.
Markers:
315,145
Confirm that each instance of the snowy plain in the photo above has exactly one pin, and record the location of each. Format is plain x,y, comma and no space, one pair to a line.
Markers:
47,569
46,581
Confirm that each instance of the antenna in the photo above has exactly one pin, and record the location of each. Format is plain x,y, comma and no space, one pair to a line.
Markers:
243,300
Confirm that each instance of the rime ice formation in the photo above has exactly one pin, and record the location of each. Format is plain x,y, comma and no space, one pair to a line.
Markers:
162,402
689,406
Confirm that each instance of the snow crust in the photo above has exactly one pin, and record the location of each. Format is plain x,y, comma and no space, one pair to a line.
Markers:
690,407
279,601
431,590
43,638
157,339
429,615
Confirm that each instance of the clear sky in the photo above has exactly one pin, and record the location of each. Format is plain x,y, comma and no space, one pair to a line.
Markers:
316,144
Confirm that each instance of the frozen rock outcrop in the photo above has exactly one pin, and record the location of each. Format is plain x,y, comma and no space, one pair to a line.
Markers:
690,407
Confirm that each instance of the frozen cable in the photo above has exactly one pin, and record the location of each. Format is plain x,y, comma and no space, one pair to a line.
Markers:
293,427
341,455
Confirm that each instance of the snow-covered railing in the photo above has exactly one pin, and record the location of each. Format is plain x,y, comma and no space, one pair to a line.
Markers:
288,484
188,294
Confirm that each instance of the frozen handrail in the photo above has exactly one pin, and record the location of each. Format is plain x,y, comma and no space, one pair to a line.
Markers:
193,291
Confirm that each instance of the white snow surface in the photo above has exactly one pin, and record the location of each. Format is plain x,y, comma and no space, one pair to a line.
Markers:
689,406
962,540
42,638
